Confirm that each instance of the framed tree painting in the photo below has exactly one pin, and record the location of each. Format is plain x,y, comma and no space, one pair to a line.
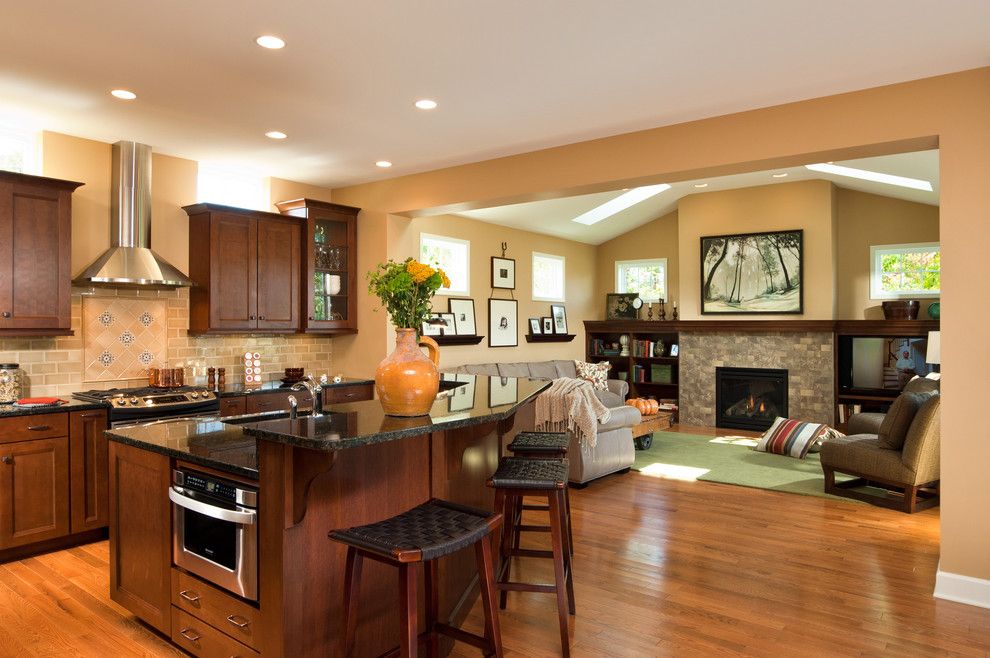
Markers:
503,323
753,273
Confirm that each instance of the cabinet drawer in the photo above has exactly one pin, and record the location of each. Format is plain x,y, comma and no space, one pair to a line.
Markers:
261,402
38,426
233,406
232,616
201,639
338,394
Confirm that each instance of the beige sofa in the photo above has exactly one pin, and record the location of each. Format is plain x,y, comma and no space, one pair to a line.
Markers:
614,451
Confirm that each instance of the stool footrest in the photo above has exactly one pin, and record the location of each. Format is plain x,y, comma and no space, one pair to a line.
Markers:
529,552
537,508
463,636
533,528
526,587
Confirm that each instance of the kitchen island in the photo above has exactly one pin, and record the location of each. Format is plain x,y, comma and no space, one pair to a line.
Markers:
351,466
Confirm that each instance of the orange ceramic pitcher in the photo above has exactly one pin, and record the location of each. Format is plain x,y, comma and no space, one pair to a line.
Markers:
407,381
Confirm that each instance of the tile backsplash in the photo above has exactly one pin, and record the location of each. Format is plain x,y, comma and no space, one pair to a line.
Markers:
111,352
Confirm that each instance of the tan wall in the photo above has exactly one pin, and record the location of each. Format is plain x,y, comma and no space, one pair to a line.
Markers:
657,239
485,240
948,112
865,220
286,190
802,205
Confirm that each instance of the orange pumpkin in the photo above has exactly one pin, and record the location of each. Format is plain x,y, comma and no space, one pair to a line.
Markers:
643,406
654,407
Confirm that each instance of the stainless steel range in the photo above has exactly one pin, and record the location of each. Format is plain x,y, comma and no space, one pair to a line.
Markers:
131,406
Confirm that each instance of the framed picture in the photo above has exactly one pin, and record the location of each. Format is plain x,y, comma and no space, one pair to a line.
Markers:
503,323
503,273
535,327
462,397
448,324
559,315
674,350
753,273
432,326
622,306
547,325
502,390
463,311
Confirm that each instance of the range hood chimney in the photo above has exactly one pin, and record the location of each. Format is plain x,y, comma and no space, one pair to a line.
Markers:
130,262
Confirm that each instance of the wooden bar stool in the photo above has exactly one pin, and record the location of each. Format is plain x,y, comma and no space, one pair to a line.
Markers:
546,478
423,534
538,445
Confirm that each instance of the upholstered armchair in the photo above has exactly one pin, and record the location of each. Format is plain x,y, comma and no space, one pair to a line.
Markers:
897,451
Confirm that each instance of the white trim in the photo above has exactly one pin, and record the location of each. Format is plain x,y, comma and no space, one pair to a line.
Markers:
563,277
876,292
962,589
644,261
467,267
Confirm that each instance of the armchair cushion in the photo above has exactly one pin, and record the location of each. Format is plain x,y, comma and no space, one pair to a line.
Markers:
566,369
921,445
861,454
894,428
865,423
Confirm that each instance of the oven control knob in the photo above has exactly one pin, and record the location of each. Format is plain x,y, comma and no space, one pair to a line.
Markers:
207,394
195,396
134,400
121,402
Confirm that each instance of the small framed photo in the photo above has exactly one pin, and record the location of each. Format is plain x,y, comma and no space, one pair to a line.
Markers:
535,327
503,273
462,397
502,390
559,315
622,306
674,350
463,311
448,324
547,325
431,326
503,323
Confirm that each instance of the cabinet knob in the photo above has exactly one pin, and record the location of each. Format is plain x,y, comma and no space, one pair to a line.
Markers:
311,317
261,317
250,317
5,314
7,459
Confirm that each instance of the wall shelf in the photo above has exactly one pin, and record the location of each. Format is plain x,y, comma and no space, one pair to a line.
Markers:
457,340
549,338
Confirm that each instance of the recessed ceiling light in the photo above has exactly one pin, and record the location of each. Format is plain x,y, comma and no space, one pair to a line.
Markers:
270,42
782,175
384,164
275,134
426,104
620,203
701,184
875,176
123,94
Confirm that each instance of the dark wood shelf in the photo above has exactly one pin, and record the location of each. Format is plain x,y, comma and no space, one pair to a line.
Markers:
868,398
550,338
674,384
457,340
658,359
841,327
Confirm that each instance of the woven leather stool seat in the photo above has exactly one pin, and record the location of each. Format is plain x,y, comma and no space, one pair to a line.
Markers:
431,530
519,473
540,442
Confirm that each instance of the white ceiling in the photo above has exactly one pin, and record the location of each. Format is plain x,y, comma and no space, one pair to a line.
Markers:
510,75
554,216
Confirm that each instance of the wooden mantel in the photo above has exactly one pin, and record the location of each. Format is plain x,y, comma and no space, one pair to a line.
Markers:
840,327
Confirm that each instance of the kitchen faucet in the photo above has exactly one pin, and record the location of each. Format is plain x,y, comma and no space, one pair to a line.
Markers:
315,390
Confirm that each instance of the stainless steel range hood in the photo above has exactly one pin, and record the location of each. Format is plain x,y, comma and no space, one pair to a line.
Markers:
130,262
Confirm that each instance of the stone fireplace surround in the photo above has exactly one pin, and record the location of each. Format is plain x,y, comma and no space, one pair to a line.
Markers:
808,356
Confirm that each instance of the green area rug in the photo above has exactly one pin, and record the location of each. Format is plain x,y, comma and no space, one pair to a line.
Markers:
731,460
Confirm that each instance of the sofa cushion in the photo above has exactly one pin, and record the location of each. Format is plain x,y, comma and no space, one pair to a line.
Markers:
894,428
793,438
543,370
596,373
518,370
861,454
566,369
490,369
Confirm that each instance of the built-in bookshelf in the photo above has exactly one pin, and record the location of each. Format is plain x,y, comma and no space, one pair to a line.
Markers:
650,368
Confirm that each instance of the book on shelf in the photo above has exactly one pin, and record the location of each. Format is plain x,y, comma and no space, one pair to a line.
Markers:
647,348
661,373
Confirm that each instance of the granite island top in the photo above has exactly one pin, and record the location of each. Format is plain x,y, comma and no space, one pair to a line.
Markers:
12,410
232,447
235,390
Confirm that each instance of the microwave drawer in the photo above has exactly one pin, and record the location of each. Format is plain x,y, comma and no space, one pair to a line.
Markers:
200,639
232,616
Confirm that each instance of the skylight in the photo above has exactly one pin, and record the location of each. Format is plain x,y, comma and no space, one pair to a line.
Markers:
620,203
875,176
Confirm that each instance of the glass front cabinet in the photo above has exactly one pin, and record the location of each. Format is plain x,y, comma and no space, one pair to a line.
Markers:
330,257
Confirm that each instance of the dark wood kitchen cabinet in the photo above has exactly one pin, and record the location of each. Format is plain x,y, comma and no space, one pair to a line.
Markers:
89,477
246,264
35,242
329,273
34,491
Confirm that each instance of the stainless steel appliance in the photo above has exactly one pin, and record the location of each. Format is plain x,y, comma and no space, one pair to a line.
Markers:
133,406
215,530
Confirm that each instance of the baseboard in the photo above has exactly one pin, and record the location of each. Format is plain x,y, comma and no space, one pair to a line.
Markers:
962,589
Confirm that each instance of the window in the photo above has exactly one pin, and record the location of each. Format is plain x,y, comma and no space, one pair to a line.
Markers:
548,277
646,277
231,185
905,270
451,255
20,150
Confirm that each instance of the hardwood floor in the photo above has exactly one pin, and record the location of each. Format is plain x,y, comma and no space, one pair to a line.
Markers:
662,567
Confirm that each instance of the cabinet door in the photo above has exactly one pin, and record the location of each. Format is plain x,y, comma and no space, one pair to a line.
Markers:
35,235
278,274
89,468
234,272
331,263
232,406
140,533
34,491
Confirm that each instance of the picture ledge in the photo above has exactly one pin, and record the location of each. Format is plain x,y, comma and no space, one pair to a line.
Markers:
549,338
473,339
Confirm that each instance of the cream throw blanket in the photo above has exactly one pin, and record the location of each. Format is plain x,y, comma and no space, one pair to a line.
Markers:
571,405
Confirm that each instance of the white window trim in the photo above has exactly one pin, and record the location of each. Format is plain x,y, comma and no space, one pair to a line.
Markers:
875,290
450,292
644,261
563,274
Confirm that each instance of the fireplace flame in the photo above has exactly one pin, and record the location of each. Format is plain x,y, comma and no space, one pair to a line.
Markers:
763,407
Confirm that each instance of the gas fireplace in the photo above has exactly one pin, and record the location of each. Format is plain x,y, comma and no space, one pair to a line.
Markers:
749,398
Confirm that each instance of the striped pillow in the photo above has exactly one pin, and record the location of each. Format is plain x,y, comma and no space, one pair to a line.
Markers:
790,437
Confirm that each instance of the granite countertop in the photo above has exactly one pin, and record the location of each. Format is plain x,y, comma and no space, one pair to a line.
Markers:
10,410
233,448
236,390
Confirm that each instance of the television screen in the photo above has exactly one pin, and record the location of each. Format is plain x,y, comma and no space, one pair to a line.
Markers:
886,363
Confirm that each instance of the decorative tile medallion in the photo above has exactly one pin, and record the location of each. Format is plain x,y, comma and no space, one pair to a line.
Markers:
122,337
